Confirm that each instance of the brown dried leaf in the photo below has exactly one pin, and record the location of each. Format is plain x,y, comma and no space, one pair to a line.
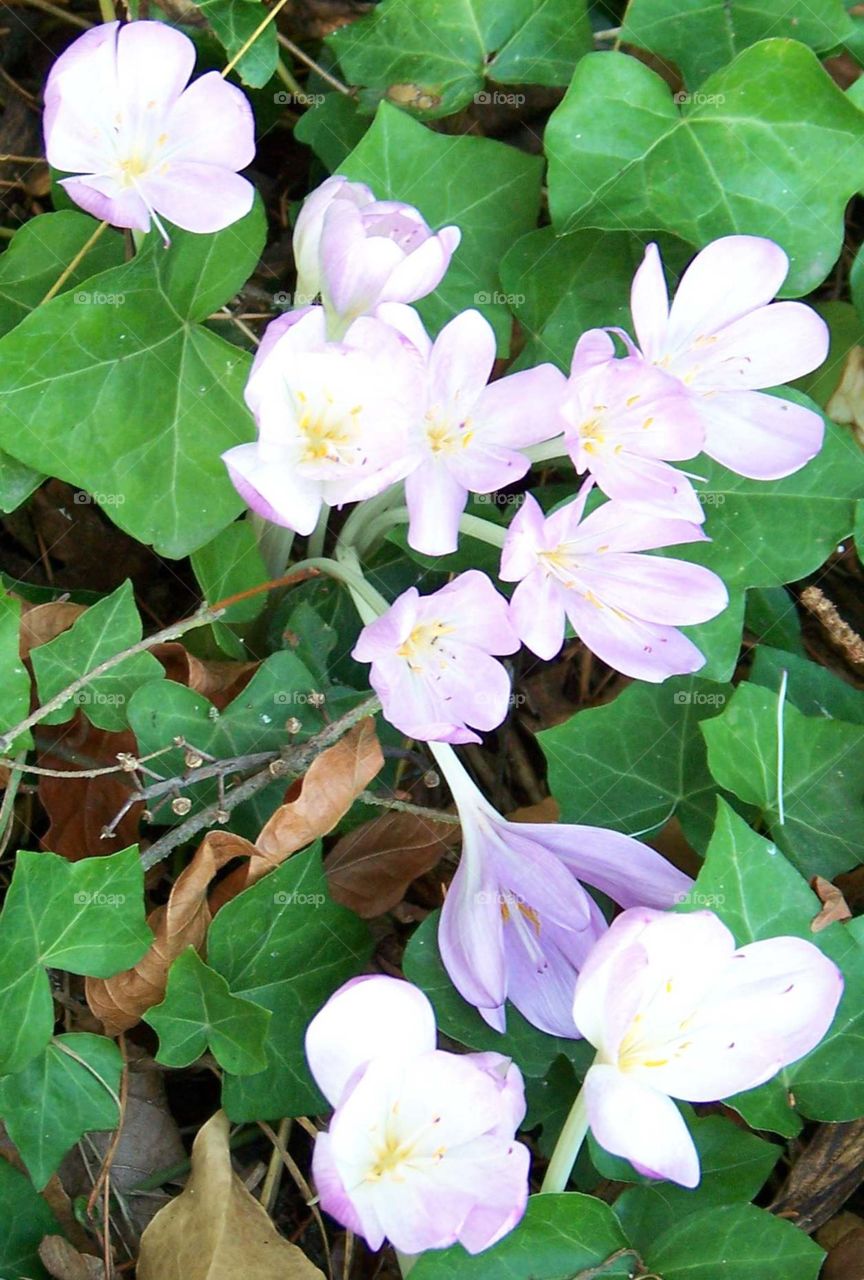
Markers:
845,1260
846,405
182,922
546,810
834,905
215,1230
328,789
219,682
63,1261
370,869
43,622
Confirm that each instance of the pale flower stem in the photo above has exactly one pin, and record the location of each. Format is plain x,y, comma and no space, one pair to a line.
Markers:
79,257
292,85
549,451
106,10
380,524
319,534
567,1147
368,602
484,530
247,44
406,1261
274,543
354,531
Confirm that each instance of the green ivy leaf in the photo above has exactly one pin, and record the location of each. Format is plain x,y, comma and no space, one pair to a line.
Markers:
332,128
813,689
443,54
85,917
533,1050
701,36
129,396
823,830
738,1242
108,627
233,23
199,1010
17,482
489,190
285,945
772,618
68,1090
39,253
15,688
636,761
232,563
559,1238
24,1223
621,154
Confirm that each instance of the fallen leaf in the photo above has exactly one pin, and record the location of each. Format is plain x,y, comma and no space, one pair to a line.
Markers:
546,810
370,869
845,1259
218,681
182,922
327,791
834,905
846,405
63,1261
43,622
215,1230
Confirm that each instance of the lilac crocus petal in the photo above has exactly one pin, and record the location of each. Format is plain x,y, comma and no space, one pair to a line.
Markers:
367,1017
432,663
422,1152
308,227
331,417
723,337
624,606
675,1011
141,144
516,922
625,422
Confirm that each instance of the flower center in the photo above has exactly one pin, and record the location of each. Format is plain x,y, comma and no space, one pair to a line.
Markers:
423,645
328,433
131,168
443,437
393,1152
654,1036
592,432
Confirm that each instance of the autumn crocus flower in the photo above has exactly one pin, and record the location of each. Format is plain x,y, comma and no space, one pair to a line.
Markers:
676,1011
421,1148
724,338
468,434
119,115
626,607
432,663
517,923
331,417
625,421
357,251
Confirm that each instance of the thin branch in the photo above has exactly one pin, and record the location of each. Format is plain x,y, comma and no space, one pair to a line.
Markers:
247,44
293,761
312,64
403,806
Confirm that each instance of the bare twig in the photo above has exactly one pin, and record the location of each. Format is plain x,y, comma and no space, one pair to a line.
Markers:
298,53
403,806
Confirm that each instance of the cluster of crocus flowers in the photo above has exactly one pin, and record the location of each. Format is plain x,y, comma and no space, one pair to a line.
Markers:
675,1010
141,142
421,1148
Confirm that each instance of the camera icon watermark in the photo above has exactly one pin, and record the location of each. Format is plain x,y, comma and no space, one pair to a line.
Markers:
500,499
83,499
87,898
299,698
495,98
299,99
85,298
697,99
709,499
695,898
696,698
495,297
96,698
295,899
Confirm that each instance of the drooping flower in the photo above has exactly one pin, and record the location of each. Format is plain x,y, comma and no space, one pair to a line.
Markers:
675,1011
432,664
357,251
724,338
517,923
625,422
468,435
120,117
624,606
331,417
421,1149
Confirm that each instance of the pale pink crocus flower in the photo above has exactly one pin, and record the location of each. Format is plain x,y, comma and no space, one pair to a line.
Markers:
421,1148
469,433
331,417
143,143
724,339
358,252
625,422
517,923
675,1010
625,606
432,663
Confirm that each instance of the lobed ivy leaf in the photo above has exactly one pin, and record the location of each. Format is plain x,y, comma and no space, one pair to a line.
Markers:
129,396
70,1089
200,1010
739,157
821,828
85,917
106,628
736,1241
15,689
436,57
284,945
700,36
236,21
231,563
24,1223
489,190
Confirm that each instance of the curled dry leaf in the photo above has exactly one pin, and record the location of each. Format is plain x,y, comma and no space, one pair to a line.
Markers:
370,869
327,791
219,682
63,1261
43,622
834,905
182,922
215,1230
